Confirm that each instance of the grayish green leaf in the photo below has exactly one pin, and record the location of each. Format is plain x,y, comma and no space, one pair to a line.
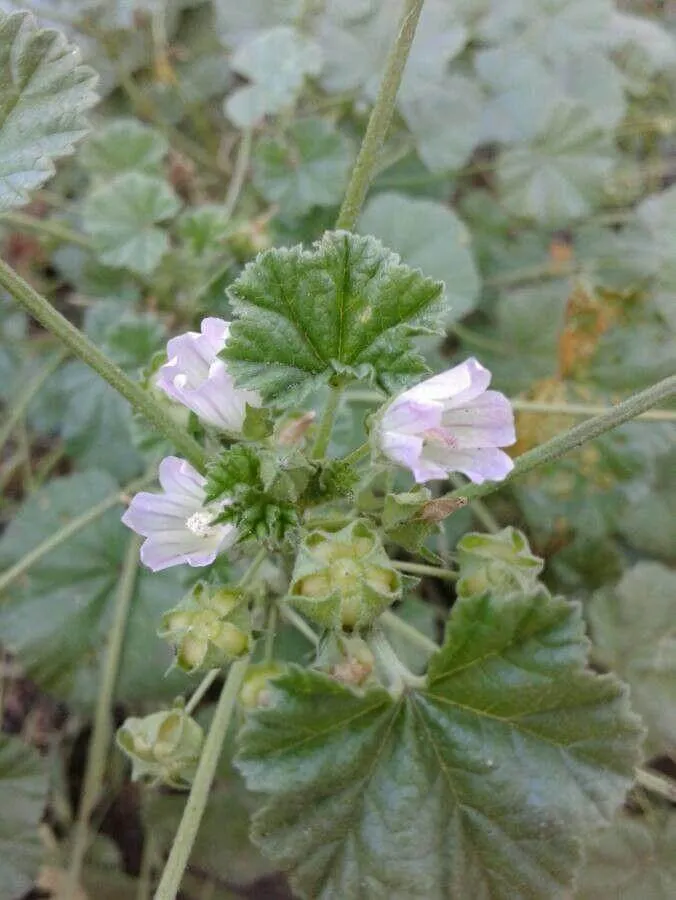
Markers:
57,618
124,145
347,305
277,62
478,785
24,782
634,859
44,95
633,632
650,525
239,22
429,236
558,175
122,218
308,166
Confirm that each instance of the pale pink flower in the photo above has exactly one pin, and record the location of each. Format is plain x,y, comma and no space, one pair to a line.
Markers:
177,524
450,423
195,376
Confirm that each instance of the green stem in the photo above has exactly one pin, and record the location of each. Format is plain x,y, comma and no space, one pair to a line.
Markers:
67,531
326,425
570,440
22,403
172,876
414,568
147,864
480,510
656,783
239,172
357,455
299,623
201,690
392,622
47,227
381,116
142,402
102,733
271,632
584,410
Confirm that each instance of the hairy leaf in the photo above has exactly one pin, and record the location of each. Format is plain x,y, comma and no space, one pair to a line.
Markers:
24,781
122,217
124,145
44,95
57,617
479,784
345,306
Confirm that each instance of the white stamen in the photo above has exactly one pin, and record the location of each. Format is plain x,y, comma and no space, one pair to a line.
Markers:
200,523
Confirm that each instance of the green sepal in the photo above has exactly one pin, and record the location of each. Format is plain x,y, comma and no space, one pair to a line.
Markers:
165,746
232,473
499,562
403,525
344,579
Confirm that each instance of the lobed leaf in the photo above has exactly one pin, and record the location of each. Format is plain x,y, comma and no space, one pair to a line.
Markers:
480,784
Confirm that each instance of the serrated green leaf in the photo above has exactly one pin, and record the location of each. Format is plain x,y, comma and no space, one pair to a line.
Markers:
24,782
277,61
478,785
124,145
633,632
122,217
557,176
429,236
634,859
308,166
347,305
57,618
44,95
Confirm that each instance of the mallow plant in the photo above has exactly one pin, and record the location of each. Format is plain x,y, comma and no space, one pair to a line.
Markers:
386,761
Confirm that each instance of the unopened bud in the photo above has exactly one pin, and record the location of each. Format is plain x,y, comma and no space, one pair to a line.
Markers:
165,746
255,691
499,562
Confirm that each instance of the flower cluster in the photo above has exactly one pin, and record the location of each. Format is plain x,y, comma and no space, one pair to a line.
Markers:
448,423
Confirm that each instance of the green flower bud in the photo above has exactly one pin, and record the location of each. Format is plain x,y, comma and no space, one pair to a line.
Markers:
209,628
344,579
255,691
348,659
501,563
165,746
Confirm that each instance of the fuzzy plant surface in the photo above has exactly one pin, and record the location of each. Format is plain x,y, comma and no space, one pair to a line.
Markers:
337,377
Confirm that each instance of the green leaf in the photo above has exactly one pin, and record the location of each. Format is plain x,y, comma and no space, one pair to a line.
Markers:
633,631
56,619
24,782
429,236
560,174
480,784
44,94
347,305
276,61
122,217
634,859
650,525
307,166
124,145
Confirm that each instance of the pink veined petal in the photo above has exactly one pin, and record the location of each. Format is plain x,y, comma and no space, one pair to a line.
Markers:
215,332
158,554
188,354
411,416
407,450
488,421
177,476
150,513
455,386
479,465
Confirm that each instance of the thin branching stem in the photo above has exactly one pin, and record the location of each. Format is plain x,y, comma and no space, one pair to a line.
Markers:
414,568
16,413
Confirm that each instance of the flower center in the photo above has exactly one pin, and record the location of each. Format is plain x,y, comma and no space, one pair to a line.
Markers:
199,523
440,436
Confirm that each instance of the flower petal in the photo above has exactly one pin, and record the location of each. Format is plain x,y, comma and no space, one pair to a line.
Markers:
178,477
479,465
455,386
411,416
488,421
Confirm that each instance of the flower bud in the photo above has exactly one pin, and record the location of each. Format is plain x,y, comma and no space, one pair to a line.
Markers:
165,746
255,691
347,659
500,563
344,579
209,628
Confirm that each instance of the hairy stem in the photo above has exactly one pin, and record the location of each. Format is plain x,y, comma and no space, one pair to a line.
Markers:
201,690
583,410
479,509
67,531
381,116
656,783
239,172
414,568
47,227
299,623
199,794
392,622
22,403
570,440
101,735
142,402
327,422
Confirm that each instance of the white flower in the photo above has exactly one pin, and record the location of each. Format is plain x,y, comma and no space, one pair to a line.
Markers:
196,377
450,423
176,524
